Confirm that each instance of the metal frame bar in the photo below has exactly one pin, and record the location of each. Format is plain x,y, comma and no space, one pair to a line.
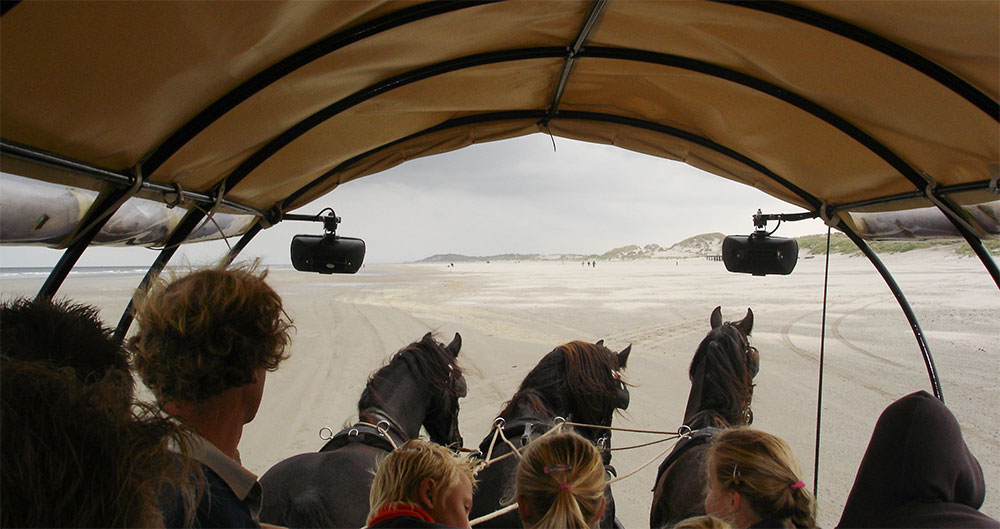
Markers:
878,43
242,243
40,157
295,131
903,304
588,26
73,253
155,158
569,115
183,229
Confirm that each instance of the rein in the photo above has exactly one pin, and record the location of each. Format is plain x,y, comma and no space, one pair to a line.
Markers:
684,432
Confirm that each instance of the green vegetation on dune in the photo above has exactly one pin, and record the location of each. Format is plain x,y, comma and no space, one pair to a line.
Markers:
708,243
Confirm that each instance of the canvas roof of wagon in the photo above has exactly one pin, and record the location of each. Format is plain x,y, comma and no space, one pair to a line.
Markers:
882,114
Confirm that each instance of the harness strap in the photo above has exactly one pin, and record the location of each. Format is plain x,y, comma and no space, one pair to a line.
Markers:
698,437
359,433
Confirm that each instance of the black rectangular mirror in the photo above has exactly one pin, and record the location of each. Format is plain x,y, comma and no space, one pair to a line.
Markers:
760,254
327,254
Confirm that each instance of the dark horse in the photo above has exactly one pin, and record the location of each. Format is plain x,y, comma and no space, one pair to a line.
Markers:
721,373
420,385
579,382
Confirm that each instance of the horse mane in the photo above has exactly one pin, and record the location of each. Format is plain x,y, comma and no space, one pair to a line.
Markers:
726,383
574,378
429,361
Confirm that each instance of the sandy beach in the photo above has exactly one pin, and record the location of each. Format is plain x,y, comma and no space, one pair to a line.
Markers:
510,314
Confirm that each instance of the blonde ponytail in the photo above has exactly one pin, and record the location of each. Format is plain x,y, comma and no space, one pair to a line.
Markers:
762,469
562,478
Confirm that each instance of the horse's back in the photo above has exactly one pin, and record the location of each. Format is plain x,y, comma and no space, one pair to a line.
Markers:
680,490
309,490
494,486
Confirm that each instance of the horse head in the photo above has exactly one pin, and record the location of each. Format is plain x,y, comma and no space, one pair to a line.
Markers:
722,373
441,420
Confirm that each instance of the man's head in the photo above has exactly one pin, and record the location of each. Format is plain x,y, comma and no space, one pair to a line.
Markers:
207,332
65,335
425,475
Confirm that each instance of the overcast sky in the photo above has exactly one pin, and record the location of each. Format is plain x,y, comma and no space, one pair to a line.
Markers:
513,196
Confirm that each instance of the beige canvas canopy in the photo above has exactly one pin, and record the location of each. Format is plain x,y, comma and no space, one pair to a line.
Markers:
882,114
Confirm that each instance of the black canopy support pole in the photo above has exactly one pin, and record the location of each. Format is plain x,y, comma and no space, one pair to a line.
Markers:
181,232
581,38
72,254
514,115
155,158
903,304
280,141
831,118
951,210
242,243
880,44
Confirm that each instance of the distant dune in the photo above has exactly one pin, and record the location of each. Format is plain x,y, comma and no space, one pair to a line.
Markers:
711,244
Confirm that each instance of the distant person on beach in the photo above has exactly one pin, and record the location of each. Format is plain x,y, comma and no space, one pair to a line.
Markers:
754,480
74,456
917,472
204,345
421,484
560,483
66,335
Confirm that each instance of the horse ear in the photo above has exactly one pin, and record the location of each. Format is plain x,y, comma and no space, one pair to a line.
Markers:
456,345
600,342
623,356
746,324
426,337
717,317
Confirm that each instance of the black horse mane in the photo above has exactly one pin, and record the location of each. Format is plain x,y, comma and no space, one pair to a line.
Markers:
726,378
430,362
574,378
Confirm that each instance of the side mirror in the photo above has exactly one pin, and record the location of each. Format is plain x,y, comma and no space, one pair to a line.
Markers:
760,254
327,254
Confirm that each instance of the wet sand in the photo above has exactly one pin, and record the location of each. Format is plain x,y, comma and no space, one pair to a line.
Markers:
510,314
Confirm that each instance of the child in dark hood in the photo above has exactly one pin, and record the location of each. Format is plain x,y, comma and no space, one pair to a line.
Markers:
917,472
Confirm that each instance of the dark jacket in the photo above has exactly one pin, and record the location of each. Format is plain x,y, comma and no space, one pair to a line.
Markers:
917,472
218,507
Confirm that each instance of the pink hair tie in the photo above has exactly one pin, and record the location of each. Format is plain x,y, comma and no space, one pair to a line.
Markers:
797,485
567,487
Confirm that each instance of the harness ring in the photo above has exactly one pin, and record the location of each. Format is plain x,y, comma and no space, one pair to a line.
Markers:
328,429
684,431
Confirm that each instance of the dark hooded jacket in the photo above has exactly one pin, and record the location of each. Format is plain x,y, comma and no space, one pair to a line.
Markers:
917,472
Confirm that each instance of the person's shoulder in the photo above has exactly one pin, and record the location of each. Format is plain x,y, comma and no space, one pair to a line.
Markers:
218,507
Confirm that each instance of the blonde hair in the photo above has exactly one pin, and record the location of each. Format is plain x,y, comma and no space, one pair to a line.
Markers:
702,522
561,477
398,476
763,469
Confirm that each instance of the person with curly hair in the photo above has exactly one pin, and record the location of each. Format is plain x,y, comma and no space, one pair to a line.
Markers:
560,483
204,344
421,484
